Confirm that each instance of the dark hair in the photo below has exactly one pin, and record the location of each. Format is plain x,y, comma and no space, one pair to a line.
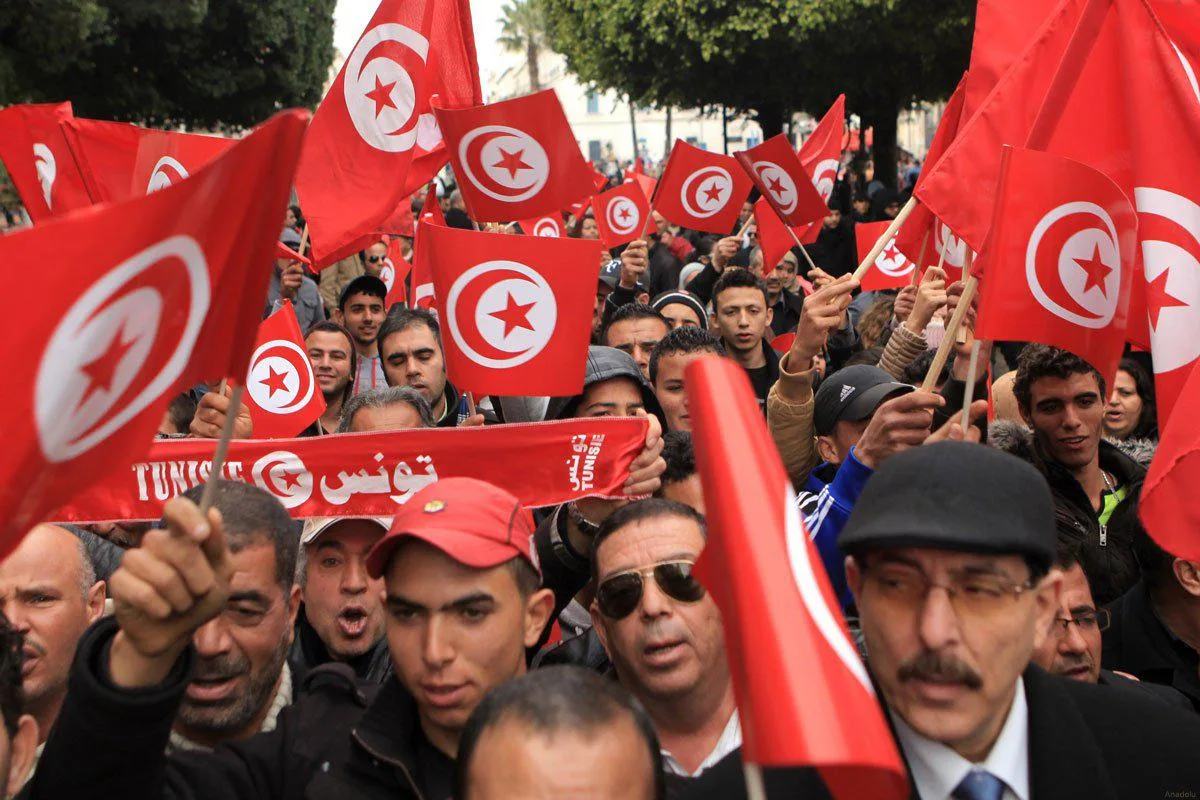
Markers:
915,372
12,655
181,411
1157,566
1147,424
680,457
737,279
642,510
401,318
383,397
368,287
298,214
683,340
329,326
1039,361
1066,553
576,230
557,700
251,516
870,357
632,311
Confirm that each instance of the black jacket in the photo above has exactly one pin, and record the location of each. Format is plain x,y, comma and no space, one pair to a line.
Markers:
1137,642
340,739
1085,743
787,312
309,652
835,251
662,272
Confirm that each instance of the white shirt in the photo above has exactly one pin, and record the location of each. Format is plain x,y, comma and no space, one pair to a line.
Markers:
731,739
937,770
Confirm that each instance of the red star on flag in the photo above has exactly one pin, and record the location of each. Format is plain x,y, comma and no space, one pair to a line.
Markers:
776,188
275,381
713,192
623,213
511,162
514,315
102,369
290,479
1157,298
1097,271
381,95
892,253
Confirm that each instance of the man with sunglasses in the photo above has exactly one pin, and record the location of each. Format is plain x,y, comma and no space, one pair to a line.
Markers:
662,631
361,311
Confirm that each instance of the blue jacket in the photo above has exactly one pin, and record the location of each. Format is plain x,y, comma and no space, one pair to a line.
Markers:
828,498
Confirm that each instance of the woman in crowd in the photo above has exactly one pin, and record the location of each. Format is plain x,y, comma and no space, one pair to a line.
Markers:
1130,413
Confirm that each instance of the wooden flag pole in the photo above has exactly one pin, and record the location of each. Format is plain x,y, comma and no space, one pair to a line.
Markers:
943,351
755,788
303,239
969,394
806,285
742,231
909,207
961,337
921,260
235,402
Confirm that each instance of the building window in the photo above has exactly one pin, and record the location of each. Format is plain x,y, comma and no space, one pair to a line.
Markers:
593,103
594,153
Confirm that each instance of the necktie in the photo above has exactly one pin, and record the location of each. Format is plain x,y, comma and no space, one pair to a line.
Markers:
979,785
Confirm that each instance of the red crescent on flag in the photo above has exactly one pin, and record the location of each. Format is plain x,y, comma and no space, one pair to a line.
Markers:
1044,259
271,353
691,193
467,310
528,179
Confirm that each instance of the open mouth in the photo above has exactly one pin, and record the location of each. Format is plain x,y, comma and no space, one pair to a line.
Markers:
662,653
352,622
211,690
444,695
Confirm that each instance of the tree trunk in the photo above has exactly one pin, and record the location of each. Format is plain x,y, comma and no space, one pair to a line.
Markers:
882,114
633,129
669,142
531,60
770,119
724,130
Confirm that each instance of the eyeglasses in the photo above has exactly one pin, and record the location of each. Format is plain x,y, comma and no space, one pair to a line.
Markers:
619,595
375,259
971,596
1096,619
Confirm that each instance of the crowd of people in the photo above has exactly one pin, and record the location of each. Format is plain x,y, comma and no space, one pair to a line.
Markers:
1026,637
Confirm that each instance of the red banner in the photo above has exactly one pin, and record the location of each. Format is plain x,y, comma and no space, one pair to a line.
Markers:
370,474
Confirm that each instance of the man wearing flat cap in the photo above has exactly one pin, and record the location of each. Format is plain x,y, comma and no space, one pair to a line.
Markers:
949,558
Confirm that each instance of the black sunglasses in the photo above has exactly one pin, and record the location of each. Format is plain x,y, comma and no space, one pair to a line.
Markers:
619,595
375,259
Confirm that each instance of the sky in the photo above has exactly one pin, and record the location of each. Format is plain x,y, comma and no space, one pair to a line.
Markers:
350,18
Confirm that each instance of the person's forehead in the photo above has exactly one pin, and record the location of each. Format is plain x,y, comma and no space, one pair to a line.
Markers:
678,362
378,247
1053,387
351,534
424,574
622,389
635,329
414,337
740,296
254,569
649,541
327,340
679,310
1075,588
364,299
48,554
930,560
395,416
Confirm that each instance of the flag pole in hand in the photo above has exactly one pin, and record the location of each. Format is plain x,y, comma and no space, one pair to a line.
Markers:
943,352
235,402
969,393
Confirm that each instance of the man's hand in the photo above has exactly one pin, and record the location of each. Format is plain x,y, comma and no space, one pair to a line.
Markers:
290,278
165,591
952,430
473,421
646,469
931,297
724,250
897,425
634,260
906,300
820,278
822,314
953,295
211,413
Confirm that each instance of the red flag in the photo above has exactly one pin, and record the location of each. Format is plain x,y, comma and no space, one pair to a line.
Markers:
777,605
891,269
423,295
701,190
105,153
773,235
647,184
283,251
1003,29
164,292
821,155
282,394
164,158
621,214
1059,260
431,209
374,139
516,310
35,152
394,273
1168,506
550,226
515,159
781,179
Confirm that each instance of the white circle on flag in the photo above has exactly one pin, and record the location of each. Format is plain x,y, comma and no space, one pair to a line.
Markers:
504,163
47,169
379,92
825,177
166,172
1060,281
387,273
546,227
280,378
501,313
892,262
706,191
283,474
1172,278
779,184
946,242
622,216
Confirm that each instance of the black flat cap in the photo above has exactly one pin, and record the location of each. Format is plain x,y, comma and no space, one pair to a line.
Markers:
955,496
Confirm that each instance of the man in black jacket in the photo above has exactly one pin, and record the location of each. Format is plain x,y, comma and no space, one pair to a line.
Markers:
463,604
743,319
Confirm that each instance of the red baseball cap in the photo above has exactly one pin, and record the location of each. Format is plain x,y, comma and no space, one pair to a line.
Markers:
475,523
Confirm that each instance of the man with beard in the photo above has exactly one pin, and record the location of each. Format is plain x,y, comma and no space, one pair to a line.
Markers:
334,361
49,593
241,680
360,310
785,305
341,619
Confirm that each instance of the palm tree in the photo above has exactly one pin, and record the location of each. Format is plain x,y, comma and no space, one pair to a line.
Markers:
523,29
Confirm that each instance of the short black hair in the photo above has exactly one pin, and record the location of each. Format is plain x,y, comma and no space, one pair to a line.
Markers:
557,700
684,339
640,511
679,455
1038,361
251,516
401,318
870,357
632,311
1157,566
1066,553
1147,424
915,372
329,326
12,656
181,411
737,279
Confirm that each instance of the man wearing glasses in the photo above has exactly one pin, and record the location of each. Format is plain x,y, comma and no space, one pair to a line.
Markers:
950,554
662,631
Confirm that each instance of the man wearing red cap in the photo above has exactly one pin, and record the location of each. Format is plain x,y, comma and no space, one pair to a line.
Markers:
462,604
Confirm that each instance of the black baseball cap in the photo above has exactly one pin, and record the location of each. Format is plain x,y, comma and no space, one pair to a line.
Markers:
852,394
363,284
610,274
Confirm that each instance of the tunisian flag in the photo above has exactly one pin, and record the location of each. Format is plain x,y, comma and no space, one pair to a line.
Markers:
35,152
701,190
621,214
777,605
821,156
517,159
282,394
773,236
891,270
1060,259
781,179
515,310
1168,506
394,274
374,139
166,157
165,292
105,153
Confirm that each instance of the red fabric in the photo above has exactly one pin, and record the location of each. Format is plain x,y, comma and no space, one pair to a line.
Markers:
1168,506
35,152
1059,260
371,474
821,155
647,184
374,139
783,342
622,214
550,226
516,159
773,235
105,153
1003,29
431,209
281,394
166,157
394,273
783,182
891,270
423,295
777,606
283,251
401,222
164,292
516,311
701,190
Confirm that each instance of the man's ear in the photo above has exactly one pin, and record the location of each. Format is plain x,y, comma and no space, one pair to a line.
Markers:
1046,597
826,449
21,753
854,577
338,318
770,315
1187,575
598,626
95,601
538,609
